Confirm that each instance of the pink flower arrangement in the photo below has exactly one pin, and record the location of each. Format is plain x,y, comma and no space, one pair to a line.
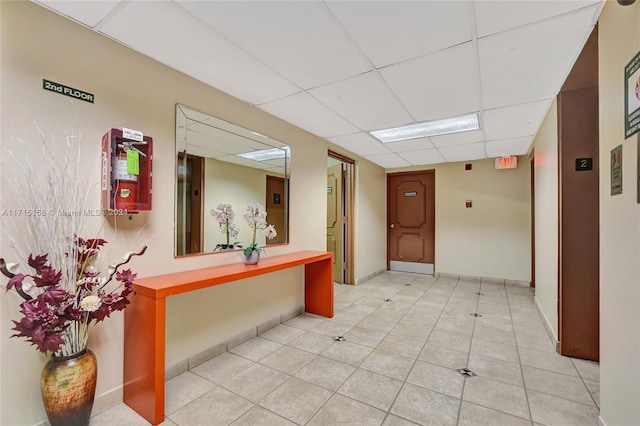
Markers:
256,217
224,215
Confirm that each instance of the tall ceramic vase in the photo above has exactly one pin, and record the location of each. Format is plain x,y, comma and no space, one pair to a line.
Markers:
68,386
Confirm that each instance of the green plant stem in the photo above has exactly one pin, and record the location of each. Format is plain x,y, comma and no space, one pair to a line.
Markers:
253,244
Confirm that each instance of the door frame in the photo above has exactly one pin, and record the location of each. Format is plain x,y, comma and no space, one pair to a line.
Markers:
532,166
348,193
283,228
193,238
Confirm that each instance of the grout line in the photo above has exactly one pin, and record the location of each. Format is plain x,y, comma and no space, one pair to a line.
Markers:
585,383
423,346
449,290
524,383
473,330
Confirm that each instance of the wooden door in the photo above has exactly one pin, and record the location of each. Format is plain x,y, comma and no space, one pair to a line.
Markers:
335,210
579,221
579,287
275,205
411,216
189,214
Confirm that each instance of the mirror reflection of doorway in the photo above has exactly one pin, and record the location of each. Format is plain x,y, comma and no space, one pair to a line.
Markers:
275,205
340,216
189,212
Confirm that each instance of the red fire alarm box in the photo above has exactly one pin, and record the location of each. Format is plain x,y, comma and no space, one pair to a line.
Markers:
127,158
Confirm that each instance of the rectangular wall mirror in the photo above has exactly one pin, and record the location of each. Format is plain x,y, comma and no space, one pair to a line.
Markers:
220,163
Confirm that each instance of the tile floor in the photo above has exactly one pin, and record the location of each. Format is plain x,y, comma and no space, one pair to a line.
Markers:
406,336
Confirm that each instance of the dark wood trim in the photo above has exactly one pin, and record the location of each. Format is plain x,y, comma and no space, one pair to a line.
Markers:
532,165
349,197
340,157
578,208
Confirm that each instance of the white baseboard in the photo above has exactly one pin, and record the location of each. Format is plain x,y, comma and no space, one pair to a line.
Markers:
370,276
114,397
412,267
547,325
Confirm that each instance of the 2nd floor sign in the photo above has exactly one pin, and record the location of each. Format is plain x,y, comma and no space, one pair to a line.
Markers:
67,91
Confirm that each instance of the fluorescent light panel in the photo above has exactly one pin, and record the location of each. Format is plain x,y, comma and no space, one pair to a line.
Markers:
463,123
264,154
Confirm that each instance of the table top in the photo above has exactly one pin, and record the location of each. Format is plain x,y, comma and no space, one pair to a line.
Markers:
162,286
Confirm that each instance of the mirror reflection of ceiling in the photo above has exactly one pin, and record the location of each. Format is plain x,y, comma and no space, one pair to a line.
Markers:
209,137
340,69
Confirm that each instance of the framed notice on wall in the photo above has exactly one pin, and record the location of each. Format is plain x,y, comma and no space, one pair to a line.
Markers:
632,96
616,170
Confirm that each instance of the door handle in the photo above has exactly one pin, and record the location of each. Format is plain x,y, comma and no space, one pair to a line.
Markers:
392,226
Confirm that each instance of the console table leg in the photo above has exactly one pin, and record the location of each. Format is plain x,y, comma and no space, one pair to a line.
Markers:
318,287
144,347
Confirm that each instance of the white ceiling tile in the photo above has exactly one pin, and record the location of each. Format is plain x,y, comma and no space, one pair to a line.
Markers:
531,63
390,32
443,84
171,36
517,146
424,156
306,112
388,161
365,101
361,144
269,53
461,138
301,40
410,145
514,121
496,16
90,13
474,151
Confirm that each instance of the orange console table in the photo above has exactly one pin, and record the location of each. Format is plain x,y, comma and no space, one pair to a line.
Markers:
144,318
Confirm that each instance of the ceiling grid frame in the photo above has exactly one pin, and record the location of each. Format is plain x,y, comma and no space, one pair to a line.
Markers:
426,29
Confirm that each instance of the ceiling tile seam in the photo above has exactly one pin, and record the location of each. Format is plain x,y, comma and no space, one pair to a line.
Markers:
435,52
546,112
573,61
109,16
261,107
371,64
549,18
476,55
596,15
245,51
550,100
518,104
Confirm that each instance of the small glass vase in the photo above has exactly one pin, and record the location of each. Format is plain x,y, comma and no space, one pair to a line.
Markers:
252,258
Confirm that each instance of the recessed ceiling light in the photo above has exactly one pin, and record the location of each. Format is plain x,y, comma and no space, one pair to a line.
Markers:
264,154
463,123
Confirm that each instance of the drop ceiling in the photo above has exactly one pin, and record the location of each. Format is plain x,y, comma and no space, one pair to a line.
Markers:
340,69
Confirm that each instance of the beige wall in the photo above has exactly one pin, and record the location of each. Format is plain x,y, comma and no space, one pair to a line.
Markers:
237,185
619,41
545,149
492,238
371,220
